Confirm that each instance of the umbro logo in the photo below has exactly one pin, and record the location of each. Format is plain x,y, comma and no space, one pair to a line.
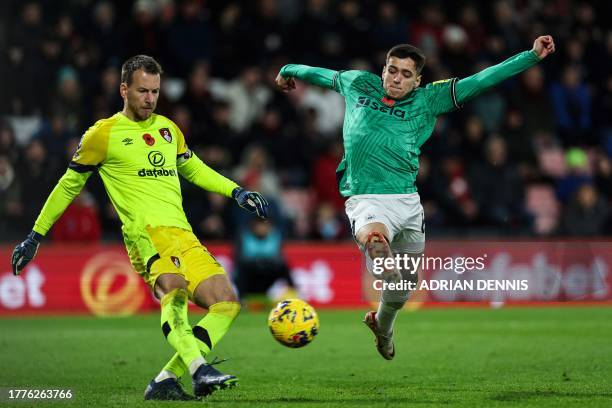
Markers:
127,141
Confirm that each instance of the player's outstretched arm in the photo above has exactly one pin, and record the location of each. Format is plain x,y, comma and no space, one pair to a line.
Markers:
197,172
68,187
323,77
90,153
476,84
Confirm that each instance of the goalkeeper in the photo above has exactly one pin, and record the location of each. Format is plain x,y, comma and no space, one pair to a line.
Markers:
386,122
139,156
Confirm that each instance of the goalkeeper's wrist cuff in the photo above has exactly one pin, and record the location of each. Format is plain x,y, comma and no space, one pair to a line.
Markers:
35,236
236,192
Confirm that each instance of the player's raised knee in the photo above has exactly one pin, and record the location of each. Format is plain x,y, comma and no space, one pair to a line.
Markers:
227,309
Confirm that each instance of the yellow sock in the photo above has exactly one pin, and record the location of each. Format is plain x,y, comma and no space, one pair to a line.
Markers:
208,332
176,328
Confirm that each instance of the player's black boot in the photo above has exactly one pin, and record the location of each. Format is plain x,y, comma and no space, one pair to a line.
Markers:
166,390
208,379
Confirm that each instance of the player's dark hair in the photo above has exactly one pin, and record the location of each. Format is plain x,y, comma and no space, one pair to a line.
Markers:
133,64
408,51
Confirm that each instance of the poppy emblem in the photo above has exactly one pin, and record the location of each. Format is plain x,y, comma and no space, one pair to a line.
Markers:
149,140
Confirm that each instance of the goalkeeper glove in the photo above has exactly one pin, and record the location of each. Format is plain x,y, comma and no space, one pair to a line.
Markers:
251,201
25,252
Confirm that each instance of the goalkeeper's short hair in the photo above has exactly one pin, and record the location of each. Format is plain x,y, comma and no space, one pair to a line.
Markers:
133,64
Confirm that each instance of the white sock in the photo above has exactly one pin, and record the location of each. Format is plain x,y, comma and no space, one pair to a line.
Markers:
195,364
386,317
164,374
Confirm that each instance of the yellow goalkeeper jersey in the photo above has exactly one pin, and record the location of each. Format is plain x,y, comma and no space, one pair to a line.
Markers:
139,164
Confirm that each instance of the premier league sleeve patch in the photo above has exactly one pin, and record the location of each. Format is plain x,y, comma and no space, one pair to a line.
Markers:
165,133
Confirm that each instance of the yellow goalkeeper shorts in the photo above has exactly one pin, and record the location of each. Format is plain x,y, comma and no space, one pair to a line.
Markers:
172,250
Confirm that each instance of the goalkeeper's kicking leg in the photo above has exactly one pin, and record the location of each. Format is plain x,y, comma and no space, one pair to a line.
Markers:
193,344
217,295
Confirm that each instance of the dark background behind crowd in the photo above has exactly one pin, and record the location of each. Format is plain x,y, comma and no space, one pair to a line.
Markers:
530,158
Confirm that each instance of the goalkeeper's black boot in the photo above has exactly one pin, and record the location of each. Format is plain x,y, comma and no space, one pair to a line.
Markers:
208,379
166,390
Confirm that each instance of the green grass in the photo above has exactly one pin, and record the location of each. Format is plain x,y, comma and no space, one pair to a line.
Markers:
454,357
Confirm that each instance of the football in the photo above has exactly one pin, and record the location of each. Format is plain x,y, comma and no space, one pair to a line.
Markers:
293,323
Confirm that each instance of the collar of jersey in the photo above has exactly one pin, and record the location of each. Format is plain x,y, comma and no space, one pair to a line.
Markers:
142,124
405,98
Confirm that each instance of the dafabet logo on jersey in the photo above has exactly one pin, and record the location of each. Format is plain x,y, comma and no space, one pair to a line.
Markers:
157,159
365,102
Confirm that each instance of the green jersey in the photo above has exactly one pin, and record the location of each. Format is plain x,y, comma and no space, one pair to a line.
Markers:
382,136
139,164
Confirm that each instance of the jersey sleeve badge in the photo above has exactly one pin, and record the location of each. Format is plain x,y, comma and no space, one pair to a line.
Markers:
165,133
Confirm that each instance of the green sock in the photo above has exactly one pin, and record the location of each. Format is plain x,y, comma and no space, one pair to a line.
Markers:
207,332
176,328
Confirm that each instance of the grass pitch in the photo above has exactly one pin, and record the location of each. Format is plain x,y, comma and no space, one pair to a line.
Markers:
453,357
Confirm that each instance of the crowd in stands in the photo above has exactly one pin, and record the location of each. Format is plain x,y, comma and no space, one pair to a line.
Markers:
531,158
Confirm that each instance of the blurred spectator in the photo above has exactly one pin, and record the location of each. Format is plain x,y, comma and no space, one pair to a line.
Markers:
586,214
602,112
256,172
36,172
519,140
329,108
107,99
19,69
8,146
246,97
318,21
54,136
534,103
260,260
220,132
472,25
69,99
391,27
572,103
498,188
191,23
506,25
276,139
209,212
330,224
105,31
473,139
11,207
454,49
144,34
578,174
445,193
267,35
426,32
603,176
28,33
182,117
326,186
80,222
197,97
353,28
